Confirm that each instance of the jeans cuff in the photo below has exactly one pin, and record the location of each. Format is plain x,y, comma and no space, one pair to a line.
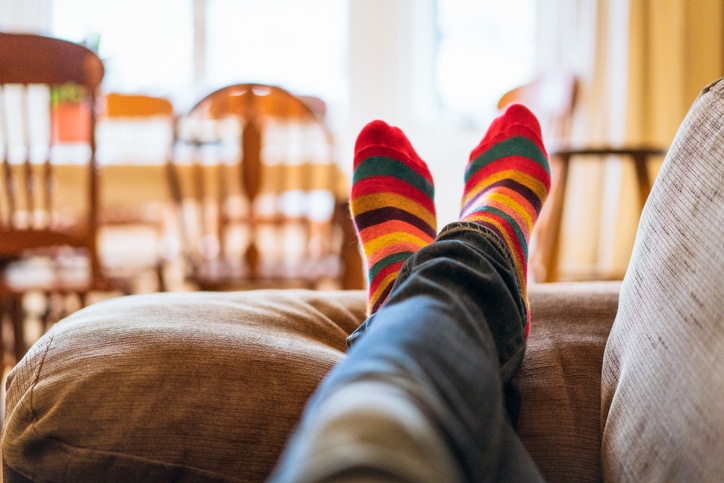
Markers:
456,227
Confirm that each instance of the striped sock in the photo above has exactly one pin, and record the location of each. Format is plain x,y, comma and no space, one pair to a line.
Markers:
506,182
392,205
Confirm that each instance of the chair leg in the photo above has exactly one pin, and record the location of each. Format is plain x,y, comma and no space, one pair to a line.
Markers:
4,305
558,201
642,177
353,276
17,316
50,314
161,278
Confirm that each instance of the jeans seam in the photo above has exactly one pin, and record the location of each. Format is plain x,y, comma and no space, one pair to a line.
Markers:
492,238
513,358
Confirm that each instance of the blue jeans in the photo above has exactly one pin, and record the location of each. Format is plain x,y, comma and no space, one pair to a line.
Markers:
426,391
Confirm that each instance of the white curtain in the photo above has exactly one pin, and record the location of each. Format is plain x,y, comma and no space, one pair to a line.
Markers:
589,39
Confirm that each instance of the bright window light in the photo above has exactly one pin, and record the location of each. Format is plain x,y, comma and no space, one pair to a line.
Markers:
146,45
485,48
298,45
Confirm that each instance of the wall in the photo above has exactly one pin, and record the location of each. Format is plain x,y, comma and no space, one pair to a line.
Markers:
25,15
390,78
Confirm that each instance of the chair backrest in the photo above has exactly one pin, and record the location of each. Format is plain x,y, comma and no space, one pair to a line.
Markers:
256,181
135,136
135,128
31,215
119,105
552,98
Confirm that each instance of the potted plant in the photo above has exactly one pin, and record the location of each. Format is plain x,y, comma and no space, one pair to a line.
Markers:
69,114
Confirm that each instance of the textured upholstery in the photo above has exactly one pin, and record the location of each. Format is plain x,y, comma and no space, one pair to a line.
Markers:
190,387
560,378
207,386
662,382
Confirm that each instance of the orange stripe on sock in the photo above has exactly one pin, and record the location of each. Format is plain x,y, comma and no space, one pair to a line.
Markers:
382,246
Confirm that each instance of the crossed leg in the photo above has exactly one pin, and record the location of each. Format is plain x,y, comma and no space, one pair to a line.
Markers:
421,395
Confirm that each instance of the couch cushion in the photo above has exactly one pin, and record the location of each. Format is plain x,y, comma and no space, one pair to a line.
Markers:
173,387
560,377
207,386
662,382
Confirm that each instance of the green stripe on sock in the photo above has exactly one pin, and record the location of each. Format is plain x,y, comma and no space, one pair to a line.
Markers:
388,260
514,146
511,222
375,165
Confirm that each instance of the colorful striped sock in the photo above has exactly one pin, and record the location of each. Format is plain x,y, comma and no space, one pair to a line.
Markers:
392,205
506,182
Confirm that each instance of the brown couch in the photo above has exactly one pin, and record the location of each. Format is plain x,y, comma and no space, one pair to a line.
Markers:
621,382
207,386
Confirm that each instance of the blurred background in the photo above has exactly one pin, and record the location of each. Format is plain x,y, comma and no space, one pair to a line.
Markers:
435,68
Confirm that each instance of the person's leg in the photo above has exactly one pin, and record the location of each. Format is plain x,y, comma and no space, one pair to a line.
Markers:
440,351
433,348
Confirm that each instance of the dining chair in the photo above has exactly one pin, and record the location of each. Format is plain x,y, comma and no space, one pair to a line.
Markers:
260,198
553,98
135,137
49,182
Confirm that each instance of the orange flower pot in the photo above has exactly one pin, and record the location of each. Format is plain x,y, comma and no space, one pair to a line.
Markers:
70,122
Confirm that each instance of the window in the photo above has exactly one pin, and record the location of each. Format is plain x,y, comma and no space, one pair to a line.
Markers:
149,45
300,46
483,46
484,49
146,45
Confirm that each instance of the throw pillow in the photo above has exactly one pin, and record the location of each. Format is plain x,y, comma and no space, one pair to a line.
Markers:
198,386
662,402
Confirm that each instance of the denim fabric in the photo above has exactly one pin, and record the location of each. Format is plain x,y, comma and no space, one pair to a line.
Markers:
451,337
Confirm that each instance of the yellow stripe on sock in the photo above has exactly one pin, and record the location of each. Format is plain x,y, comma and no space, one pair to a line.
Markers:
371,246
511,206
374,201
382,285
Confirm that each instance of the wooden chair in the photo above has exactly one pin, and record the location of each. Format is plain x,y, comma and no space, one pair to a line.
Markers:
139,131
553,99
260,199
48,232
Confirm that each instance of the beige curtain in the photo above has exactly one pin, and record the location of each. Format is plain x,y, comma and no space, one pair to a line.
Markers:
675,48
588,38
641,64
